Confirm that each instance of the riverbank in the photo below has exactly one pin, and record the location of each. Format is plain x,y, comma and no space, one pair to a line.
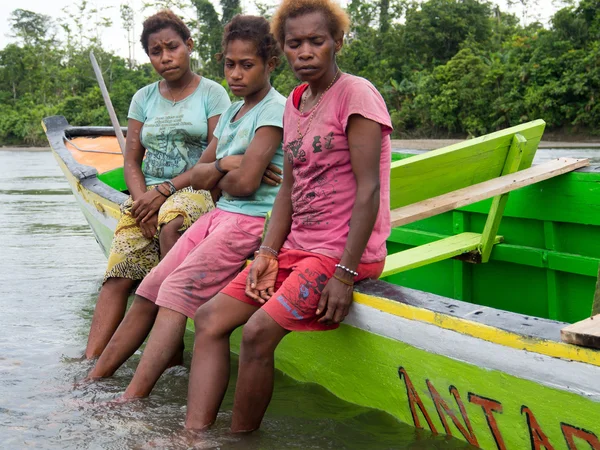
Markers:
398,144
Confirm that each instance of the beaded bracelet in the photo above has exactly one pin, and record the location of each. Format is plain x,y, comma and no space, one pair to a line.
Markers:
341,280
346,269
160,192
269,249
172,187
262,255
218,166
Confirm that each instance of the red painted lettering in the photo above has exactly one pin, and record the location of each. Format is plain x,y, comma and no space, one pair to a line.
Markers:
443,409
570,432
415,401
489,407
536,434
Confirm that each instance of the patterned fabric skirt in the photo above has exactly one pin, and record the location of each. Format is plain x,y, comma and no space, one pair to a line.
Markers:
131,254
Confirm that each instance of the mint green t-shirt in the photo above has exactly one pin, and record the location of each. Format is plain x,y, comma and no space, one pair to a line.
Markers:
175,135
234,139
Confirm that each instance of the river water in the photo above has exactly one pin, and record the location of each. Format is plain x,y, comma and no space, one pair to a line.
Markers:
49,278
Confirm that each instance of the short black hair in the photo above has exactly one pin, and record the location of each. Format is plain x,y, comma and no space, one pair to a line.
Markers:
161,20
251,28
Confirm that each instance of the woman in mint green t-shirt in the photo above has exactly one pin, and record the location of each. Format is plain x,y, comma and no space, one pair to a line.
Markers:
170,124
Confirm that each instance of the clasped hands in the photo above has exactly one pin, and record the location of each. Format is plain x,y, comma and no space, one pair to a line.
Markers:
335,300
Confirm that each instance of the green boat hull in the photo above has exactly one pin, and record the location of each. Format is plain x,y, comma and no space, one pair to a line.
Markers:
467,350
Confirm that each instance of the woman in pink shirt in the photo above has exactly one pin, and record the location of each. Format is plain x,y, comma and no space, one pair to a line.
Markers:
328,228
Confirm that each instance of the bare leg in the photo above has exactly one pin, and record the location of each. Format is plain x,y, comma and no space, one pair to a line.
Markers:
110,309
254,386
209,376
163,343
169,234
127,339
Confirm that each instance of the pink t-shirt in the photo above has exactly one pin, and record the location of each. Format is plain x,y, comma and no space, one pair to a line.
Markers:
324,188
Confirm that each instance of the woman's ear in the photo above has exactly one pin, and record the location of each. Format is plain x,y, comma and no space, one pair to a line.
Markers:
190,45
339,42
272,63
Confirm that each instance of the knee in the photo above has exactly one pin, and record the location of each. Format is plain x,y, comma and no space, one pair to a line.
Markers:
170,231
256,338
206,323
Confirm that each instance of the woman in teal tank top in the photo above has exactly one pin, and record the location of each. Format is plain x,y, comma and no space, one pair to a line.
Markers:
170,124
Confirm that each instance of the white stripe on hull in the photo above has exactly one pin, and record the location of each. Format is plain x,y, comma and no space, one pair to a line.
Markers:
576,377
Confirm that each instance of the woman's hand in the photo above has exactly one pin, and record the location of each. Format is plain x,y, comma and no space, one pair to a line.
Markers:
260,284
149,227
335,301
147,205
272,175
232,162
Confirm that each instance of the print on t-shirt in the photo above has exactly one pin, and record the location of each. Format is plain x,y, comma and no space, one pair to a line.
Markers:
177,150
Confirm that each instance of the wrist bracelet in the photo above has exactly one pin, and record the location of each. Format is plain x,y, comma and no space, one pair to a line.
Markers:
262,255
160,192
269,249
218,166
172,187
341,280
346,269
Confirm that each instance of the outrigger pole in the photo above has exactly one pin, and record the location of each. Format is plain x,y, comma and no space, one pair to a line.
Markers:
109,106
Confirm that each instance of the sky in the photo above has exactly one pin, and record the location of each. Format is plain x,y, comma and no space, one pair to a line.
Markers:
114,38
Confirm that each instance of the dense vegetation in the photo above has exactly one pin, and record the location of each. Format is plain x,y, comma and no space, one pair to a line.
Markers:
444,67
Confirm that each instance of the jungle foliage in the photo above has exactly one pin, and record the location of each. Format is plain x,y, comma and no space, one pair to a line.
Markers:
444,67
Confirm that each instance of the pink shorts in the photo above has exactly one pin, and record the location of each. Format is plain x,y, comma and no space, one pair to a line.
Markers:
207,257
301,279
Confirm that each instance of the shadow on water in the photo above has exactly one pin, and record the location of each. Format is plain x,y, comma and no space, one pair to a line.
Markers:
48,285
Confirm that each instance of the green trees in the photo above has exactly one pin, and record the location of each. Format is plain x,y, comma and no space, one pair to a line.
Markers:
444,67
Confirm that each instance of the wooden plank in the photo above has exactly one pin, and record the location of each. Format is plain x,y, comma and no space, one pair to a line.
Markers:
482,191
516,254
550,241
458,166
596,304
430,253
462,272
585,332
513,160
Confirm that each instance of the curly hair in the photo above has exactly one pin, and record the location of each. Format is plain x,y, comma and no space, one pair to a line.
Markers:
161,20
251,28
336,17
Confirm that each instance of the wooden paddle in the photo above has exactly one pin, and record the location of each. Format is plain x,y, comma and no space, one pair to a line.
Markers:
111,111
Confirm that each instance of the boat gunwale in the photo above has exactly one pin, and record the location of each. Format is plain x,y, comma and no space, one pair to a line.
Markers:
57,129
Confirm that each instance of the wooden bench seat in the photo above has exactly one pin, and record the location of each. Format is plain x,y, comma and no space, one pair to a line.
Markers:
442,180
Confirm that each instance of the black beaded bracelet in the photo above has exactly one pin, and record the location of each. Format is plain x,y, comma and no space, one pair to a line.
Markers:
218,167
160,192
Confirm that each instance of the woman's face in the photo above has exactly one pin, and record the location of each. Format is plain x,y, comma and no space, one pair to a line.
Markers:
245,70
309,46
169,54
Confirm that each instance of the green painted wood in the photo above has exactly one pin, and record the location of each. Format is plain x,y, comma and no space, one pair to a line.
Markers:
517,254
551,278
114,178
433,252
596,304
441,171
364,370
513,161
461,270
572,197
